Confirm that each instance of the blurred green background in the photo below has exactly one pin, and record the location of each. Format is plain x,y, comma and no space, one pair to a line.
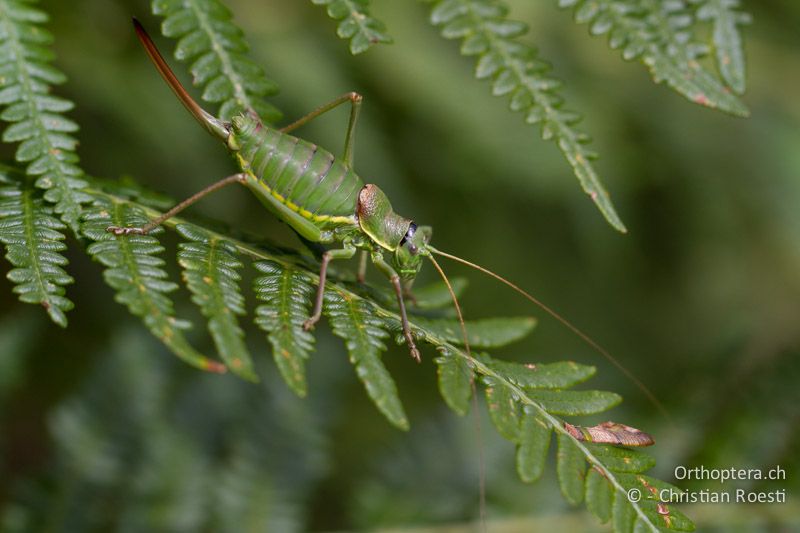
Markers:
102,429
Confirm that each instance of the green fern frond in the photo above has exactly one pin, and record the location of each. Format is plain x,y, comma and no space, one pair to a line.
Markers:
216,48
455,380
286,293
210,271
575,403
546,384
503,410
560,375
355,23
725,18
35,116
599,498
570,469
659,35
623,516
525,401
354,320
33,239
520,417
533,445
133,270
516,71
484,333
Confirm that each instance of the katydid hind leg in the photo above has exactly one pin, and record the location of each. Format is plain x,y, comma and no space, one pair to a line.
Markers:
355,100
349,139
153,224
344,253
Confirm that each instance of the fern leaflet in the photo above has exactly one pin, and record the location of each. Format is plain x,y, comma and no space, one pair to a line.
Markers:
33,240
517,72
571,469
484,333
534,443
658,34
36,117
726,38
354,320
599,498
134,270
503,410
455,380
286,293
355,23
210,270
216,47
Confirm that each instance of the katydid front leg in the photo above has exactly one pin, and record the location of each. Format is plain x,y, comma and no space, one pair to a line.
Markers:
153,224
394,278
345,253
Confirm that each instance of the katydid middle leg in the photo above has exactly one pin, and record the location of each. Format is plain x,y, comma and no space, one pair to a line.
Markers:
344,253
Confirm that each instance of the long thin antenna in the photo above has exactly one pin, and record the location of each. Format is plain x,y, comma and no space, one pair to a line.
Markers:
215,126
482,461
569,325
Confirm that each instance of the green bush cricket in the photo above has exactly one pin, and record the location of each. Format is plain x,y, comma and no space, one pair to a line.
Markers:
322,198
316,194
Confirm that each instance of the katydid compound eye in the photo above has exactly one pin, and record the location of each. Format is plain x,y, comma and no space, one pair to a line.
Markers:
406,240
412,229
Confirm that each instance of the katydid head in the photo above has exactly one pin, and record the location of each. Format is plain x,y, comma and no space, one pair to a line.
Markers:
395,233
407,258
399,235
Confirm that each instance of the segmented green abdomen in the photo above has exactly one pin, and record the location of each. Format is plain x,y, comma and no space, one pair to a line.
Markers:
303,176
